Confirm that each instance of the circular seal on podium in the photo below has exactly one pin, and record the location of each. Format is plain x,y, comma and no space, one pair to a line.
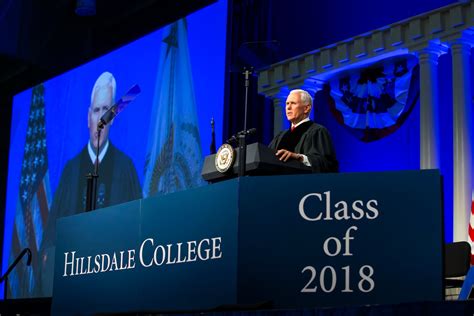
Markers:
225,158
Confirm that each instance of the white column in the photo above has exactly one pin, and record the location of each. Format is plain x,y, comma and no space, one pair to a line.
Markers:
462,126
429,107
278,115
313,86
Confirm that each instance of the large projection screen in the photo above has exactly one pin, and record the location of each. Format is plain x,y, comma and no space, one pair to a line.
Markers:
155,146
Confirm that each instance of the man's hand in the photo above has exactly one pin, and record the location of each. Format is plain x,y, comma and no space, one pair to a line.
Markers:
284,155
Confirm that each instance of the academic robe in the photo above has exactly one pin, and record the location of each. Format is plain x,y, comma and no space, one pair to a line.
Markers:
312,140
118,183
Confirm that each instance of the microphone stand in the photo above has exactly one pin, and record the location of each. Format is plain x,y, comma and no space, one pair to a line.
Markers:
107,117
242,140
92,178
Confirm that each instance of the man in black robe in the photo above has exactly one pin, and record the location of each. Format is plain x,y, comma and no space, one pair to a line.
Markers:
305,141
117,183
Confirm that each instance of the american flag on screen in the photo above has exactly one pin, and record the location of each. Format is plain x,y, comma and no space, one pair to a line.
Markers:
471,232
34,199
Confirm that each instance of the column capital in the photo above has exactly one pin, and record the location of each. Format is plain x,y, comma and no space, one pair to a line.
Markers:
431,51
464,40
278,101
461,47
313,85
280,97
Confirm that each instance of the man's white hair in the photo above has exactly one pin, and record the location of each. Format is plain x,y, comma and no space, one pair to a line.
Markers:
305,96
105,80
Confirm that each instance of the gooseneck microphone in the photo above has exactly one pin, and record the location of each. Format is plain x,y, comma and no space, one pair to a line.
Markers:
236,136
119,106
107,117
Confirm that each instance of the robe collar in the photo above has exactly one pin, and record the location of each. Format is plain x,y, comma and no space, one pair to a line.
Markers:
102,153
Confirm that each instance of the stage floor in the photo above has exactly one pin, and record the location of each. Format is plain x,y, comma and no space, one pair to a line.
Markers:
42,306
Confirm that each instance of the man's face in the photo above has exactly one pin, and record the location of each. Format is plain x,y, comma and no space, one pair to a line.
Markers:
101,102
295,109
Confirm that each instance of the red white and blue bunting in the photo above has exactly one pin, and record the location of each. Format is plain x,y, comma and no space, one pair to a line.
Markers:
375,101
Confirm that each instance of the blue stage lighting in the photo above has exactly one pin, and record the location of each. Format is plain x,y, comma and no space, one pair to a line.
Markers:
85,7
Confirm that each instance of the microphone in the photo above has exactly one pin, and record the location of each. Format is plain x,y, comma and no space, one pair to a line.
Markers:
250,131
107,117
118,107
244,133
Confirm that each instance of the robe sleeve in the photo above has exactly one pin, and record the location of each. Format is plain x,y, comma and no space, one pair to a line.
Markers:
273,144
320,151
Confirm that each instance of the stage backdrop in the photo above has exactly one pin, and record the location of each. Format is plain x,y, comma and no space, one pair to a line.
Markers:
158,141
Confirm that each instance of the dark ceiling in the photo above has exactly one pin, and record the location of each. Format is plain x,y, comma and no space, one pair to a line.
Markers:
41,39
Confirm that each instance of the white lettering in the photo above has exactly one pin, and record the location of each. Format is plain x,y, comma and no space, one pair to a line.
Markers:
191,250
216,248
69,263
173,253
356,207
180,260
105,267
163,255
206,251
113,266
141,253
326,247
89,271
347,239
341,213
131,259
169,255
77,265
372,209
340,210
302,211
97,264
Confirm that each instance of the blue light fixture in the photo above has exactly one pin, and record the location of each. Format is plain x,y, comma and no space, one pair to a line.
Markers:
85,7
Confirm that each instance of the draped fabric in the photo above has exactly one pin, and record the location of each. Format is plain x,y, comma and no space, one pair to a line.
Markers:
174,155
374,102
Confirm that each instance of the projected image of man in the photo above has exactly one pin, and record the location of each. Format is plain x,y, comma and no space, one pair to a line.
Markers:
118,181
103,95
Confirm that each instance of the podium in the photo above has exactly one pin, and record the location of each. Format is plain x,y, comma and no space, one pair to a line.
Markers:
260,160
297,240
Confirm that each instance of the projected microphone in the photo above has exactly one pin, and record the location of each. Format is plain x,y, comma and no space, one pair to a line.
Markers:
107,117
118,106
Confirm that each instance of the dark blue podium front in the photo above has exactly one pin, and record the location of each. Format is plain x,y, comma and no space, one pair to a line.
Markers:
298,241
